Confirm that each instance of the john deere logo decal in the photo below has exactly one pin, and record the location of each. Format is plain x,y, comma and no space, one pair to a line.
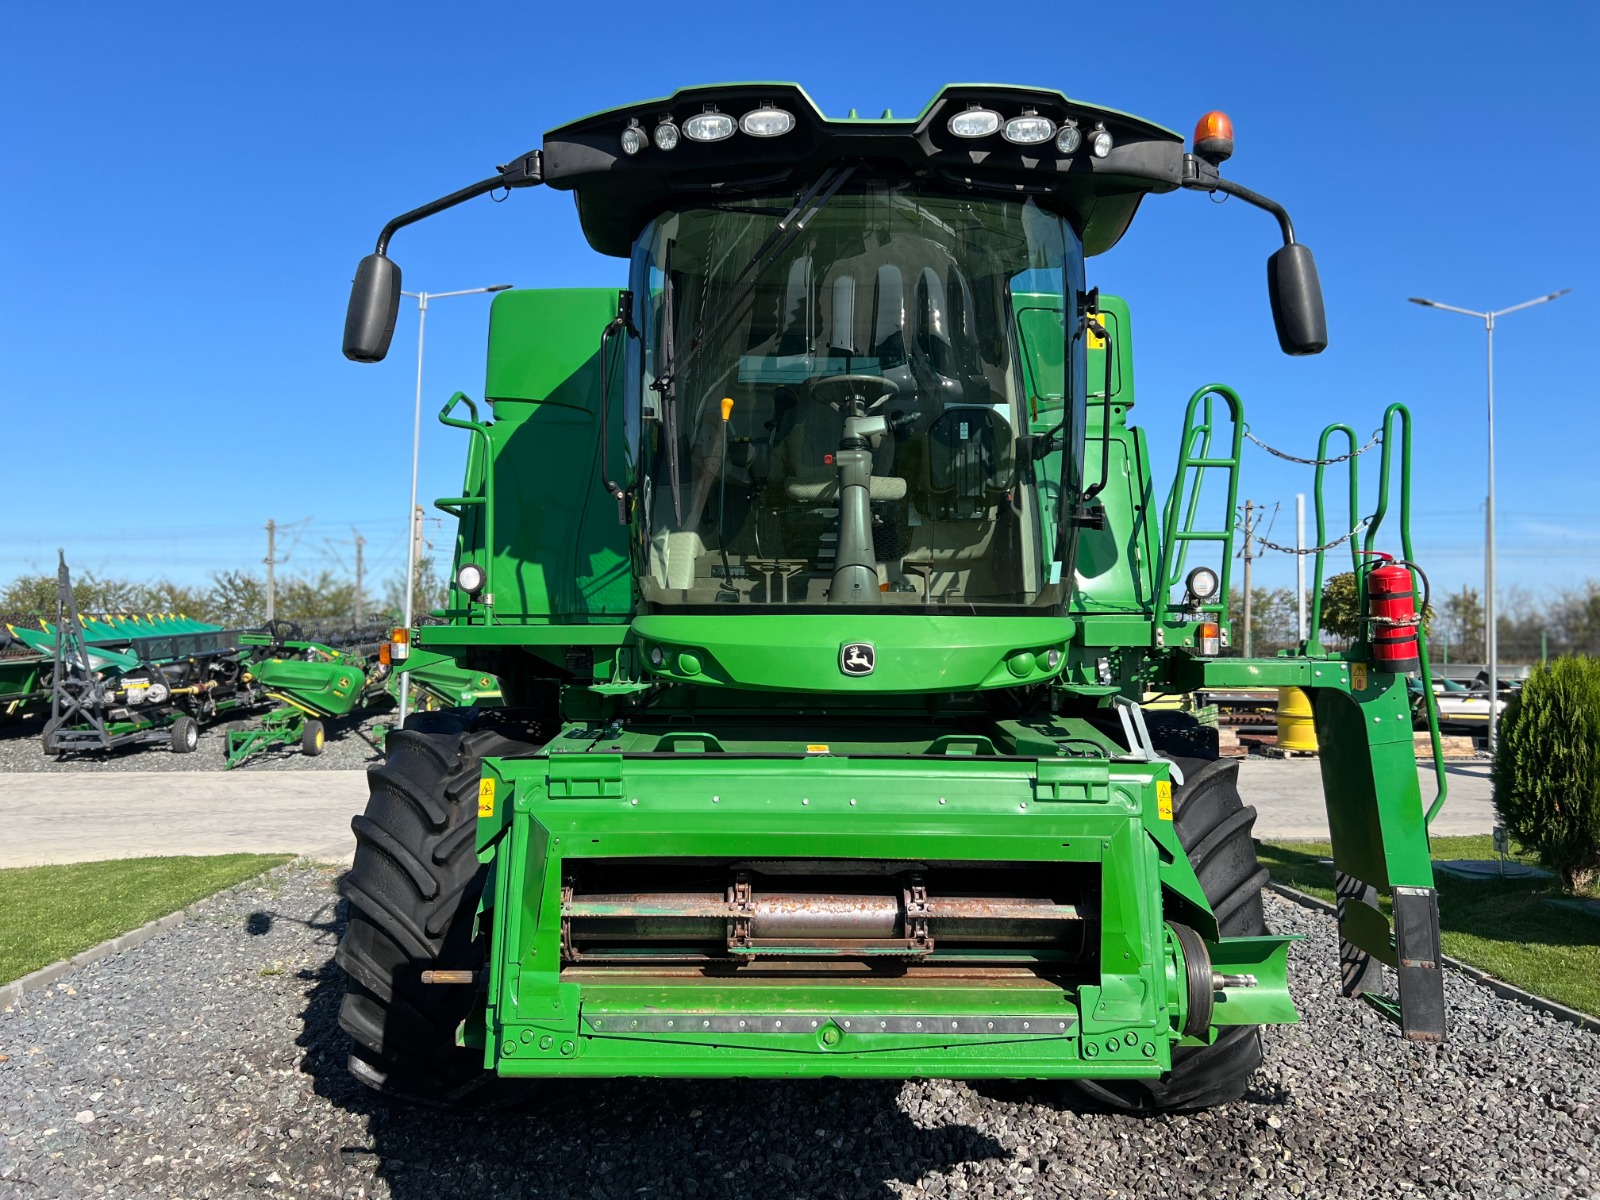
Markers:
857,658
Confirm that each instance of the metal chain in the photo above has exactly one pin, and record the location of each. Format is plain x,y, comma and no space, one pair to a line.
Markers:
1261,541
1316,462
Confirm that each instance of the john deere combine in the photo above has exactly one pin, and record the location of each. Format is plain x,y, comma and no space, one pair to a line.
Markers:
823,573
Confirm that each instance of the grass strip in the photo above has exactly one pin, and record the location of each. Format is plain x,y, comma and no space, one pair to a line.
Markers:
1500,926
51,913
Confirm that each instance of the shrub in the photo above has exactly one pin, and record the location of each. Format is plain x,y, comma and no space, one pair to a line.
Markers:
1547,768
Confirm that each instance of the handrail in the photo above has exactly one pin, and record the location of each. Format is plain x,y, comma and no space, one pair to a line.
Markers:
1314,628
1400,412
1174,545
454,505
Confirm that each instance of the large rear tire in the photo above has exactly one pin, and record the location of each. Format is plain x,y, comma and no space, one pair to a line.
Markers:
413,896
1214,825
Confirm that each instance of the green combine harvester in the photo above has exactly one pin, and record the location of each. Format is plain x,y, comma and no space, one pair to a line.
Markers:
823,574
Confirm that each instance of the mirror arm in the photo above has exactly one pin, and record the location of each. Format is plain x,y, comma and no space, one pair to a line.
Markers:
1202,176
523,172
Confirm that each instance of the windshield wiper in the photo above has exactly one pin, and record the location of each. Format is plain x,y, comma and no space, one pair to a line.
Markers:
784,232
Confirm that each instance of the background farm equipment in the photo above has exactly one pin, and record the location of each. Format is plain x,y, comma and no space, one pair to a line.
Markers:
120,680
319,684
313,682
24,673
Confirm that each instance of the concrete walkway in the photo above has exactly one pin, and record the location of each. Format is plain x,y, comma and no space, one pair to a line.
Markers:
1287,794
60,817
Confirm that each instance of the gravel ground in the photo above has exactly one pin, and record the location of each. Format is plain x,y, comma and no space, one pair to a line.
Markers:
349,747
208,1063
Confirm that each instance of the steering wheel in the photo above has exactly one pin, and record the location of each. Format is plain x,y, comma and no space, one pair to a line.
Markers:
836,390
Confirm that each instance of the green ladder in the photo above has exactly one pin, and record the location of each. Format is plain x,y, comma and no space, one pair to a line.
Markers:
1201,430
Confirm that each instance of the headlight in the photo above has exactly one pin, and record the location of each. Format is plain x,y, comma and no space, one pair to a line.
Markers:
1069,139
1029,129
766,122
633,139
1202,583
975,122
708,127
471,577
1101,141
666,136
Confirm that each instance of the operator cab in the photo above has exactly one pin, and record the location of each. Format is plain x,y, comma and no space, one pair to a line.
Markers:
838,413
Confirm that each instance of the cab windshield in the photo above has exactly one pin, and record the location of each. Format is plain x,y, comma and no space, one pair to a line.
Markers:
838,397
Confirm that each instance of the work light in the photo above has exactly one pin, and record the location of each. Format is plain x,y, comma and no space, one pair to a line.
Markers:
975,122
1100,141
1030,129
709,126
666,136
766,122
1070,137
471,578
1202,584
633,139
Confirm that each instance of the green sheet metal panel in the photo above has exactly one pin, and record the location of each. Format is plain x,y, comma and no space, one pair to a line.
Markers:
561,553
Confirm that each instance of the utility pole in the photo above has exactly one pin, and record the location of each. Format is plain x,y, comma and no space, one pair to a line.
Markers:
360,604
1249,509
1300,563
271,561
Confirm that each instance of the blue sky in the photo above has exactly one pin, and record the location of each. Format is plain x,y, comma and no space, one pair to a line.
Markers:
185,191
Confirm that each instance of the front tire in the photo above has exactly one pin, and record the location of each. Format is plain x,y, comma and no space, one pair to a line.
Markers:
413,896
1214,826
184,735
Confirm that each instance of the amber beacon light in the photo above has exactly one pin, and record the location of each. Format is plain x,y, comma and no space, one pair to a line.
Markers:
1213,138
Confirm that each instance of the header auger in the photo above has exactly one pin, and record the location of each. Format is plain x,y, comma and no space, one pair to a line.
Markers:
820,570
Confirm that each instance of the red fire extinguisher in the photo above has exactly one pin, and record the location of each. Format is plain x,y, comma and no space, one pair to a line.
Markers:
1393,614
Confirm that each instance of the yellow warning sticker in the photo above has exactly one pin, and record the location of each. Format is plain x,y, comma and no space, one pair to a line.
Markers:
1358,676
486,797
1164,799
817,748
1093,339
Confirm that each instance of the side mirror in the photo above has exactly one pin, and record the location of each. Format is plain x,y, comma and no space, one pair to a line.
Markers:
374,304
1296,296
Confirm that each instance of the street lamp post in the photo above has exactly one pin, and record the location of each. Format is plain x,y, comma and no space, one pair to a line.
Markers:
422,299
1491,637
